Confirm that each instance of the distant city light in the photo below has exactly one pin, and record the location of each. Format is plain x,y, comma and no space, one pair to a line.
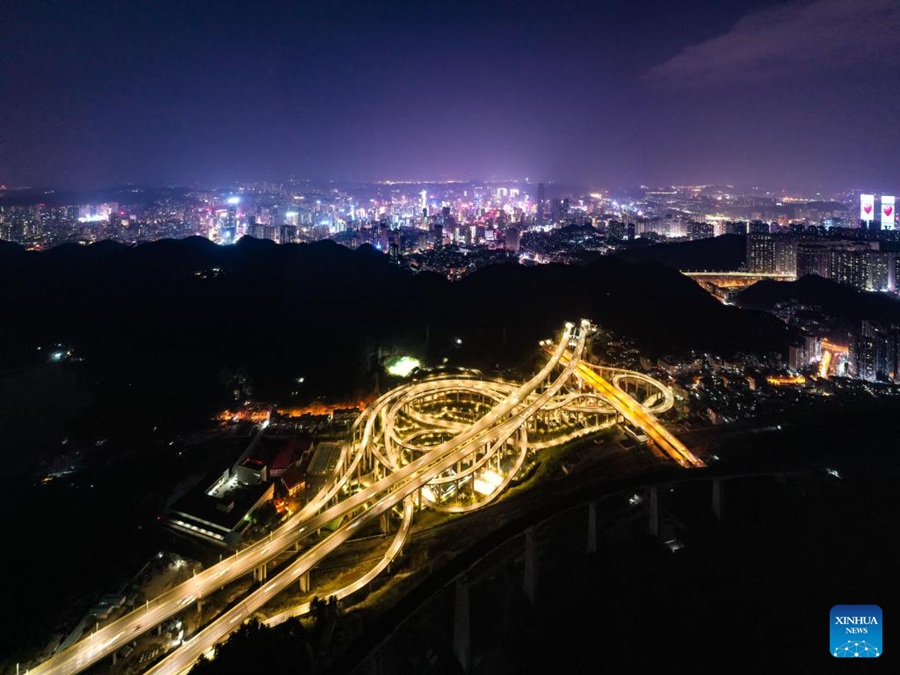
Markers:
233,200
403,366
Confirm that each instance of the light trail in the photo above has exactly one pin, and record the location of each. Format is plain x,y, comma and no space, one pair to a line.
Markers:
635,413
418,437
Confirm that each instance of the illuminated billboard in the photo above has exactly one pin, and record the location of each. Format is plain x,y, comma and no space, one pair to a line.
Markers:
867,207
887,212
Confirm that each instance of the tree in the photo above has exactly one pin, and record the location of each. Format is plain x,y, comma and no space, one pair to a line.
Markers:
255,648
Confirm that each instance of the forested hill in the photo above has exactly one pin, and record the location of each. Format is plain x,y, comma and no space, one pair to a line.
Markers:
162,326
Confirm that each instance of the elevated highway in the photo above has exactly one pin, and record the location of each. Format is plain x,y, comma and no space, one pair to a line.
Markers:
634,412
451,444
737,279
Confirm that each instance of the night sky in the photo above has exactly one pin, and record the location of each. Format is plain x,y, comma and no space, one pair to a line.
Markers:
785,95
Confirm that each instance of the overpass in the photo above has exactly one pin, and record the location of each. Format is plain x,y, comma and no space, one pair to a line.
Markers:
636,414
449,443
737,279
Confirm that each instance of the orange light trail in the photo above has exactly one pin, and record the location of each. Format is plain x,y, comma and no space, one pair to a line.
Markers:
257,415
319,408
632,411
786,380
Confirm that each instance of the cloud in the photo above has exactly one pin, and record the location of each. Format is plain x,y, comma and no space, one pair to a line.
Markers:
799,38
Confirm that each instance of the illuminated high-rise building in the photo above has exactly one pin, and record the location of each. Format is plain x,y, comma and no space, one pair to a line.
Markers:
813,258
881,271
288,234
887,212
874,352
862,352
512,239
437,233
785,256
540,204
760,253
850,266
697,230
866,209
231,217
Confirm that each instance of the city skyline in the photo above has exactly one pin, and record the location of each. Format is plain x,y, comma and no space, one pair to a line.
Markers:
788,95
849,192
401,336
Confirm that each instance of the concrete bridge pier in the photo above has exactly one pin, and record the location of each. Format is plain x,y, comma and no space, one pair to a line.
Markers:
304,582
461,627
384,522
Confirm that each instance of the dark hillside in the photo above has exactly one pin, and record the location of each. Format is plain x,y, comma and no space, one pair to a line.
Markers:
723,253
163,327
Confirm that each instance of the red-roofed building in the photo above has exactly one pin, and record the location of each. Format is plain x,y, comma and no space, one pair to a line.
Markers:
293,480
288,455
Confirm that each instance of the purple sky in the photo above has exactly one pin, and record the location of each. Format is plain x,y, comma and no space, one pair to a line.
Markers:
793,95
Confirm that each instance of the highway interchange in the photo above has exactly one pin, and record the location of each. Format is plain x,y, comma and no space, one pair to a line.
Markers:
407,451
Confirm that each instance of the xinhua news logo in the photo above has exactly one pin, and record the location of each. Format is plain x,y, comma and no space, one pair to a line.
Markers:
856,632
